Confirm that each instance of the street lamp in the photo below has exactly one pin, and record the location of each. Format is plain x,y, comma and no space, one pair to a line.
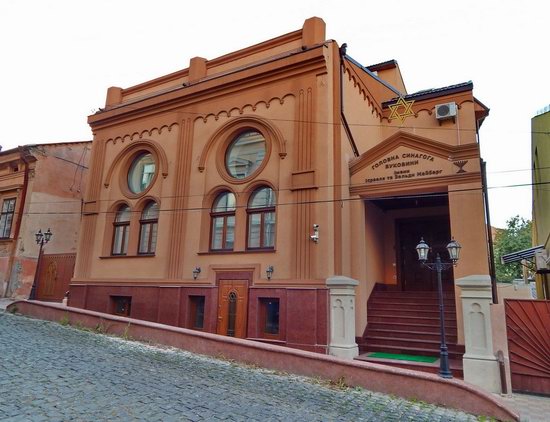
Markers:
41,239
454,252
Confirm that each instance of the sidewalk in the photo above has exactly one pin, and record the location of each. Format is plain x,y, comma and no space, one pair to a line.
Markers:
531,408
4,302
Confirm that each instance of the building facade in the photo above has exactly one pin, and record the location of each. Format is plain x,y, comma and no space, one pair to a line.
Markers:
540,154
222,197
41,188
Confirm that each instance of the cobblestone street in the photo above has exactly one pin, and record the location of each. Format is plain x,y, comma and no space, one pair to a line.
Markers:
51,372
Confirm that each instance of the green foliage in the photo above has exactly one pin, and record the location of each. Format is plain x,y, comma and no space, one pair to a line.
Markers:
64,319
515,237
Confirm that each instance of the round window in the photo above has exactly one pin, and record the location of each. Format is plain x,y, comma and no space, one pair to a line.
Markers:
141,173
245,154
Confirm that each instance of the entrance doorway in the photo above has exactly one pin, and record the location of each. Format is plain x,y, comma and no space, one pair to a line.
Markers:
232,307
436,231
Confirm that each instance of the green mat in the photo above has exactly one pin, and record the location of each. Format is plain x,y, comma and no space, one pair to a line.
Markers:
413,358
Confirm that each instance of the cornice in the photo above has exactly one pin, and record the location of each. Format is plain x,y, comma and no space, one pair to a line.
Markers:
376,107
432,184
226,58
308,61
407,139
428,105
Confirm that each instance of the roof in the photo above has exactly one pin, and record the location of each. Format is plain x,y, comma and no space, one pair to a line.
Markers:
434,92
388,64
28,146
520,255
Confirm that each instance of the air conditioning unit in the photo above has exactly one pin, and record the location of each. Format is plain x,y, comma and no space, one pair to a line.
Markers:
445,111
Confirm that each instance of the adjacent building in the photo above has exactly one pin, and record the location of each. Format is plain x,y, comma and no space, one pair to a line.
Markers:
41,188
266,194
540,154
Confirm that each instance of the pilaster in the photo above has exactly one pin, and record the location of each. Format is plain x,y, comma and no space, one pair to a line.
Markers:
480,364
342,317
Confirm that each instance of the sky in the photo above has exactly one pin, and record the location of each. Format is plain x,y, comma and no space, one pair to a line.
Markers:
58,57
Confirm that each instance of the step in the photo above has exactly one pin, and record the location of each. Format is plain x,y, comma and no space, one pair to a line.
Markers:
409,306
414,343
391,325
419,294
411,300
364,348
434,320
407,334
433,368
380,310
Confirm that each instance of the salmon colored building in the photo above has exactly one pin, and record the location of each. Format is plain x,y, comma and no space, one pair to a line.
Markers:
273,193
41,188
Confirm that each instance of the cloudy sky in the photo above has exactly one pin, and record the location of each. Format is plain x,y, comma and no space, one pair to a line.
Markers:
58,57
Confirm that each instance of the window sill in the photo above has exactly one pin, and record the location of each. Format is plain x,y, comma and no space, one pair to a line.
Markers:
6,239
127,256
237,252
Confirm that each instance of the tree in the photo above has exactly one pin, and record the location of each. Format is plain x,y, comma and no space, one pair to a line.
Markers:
515,237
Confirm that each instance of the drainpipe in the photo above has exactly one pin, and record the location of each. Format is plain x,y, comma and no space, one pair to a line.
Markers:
342,52
22,151
492,271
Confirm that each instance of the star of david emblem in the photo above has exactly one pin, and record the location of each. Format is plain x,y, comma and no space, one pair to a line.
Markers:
401,104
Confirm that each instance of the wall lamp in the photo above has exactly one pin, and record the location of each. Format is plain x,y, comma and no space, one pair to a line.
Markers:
269,272
196,272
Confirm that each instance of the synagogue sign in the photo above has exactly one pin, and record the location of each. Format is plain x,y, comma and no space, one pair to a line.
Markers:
405,164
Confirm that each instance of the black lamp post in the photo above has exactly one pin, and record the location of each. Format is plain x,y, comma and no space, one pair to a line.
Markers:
41,239
454,251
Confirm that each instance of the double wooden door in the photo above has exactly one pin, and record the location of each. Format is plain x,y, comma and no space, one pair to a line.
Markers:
436,232
232,307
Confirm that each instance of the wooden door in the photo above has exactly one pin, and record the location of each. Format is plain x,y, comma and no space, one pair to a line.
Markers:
54,276
232,308
437,234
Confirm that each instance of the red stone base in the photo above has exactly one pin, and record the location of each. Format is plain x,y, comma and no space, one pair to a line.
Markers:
303,312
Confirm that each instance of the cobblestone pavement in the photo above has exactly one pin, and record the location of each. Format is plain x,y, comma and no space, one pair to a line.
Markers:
51,372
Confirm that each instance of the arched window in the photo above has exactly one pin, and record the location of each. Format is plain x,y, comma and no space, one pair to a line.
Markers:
261,219
121,230
223,222
148,227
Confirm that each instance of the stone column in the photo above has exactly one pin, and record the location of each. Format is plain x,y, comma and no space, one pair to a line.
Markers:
480,363
342,317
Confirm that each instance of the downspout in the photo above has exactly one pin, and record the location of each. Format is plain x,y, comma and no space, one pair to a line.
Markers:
492,271
22,152
347,129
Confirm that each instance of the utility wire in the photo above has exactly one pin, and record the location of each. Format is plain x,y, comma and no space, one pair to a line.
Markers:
336,122
319,201
332,186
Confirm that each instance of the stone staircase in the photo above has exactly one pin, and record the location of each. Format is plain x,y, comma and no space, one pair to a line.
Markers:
408,323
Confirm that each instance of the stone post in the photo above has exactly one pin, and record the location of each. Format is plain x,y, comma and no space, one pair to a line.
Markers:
342,317
480,363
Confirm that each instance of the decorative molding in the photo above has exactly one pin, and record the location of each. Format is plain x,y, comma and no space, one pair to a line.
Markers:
140,135
376,108
240,110
224,135
145,144
401,138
